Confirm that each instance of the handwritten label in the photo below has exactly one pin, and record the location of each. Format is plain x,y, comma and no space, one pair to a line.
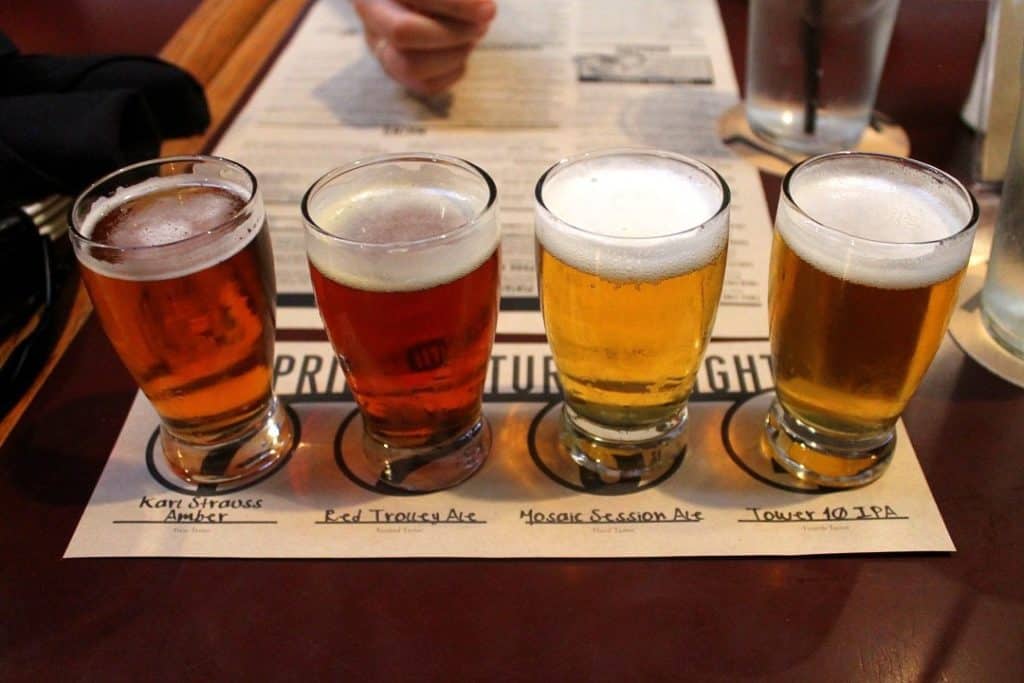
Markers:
836,513
197,510
531,517
381,516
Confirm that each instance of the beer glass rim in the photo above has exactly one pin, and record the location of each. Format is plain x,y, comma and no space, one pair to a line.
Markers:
918,166
250,198
360,164
565,162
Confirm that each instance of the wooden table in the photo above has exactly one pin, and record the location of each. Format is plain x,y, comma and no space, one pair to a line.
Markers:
900,617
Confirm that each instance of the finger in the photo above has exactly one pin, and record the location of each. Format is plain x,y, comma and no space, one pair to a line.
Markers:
421,65
443,82
469,11
422,71
377,44
437,85
409,30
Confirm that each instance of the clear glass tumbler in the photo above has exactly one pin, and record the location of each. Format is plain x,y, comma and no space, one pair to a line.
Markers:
403,254
176,256
1002,298
813,68
631,250
868,253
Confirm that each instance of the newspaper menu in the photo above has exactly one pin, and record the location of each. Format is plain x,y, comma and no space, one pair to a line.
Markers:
551,78
722,497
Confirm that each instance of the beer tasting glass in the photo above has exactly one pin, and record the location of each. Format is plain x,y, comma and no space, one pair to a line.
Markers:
175,254
867,256
403,255
631,250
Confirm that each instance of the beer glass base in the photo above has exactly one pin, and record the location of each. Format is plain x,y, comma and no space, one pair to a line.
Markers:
430,468
820,459
237,459
644,453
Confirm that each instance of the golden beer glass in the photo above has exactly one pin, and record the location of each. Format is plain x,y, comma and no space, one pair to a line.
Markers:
404,259
867,257
176,256
631,251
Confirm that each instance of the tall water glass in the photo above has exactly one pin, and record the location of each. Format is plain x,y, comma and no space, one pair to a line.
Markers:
1002,298
813,68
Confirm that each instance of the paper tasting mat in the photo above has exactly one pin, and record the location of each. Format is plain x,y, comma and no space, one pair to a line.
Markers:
721,498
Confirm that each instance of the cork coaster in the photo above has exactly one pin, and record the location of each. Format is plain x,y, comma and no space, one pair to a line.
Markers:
882,136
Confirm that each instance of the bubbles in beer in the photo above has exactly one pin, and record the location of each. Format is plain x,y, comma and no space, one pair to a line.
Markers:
166,215
901,213
398,229
389,215
133,232
629,217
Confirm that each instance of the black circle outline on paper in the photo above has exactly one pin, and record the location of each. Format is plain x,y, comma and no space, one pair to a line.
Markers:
377,487
531,444
734,455
210,490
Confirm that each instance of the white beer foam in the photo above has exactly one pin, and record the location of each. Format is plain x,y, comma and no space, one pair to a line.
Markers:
906,218
393,234
149,256
632,217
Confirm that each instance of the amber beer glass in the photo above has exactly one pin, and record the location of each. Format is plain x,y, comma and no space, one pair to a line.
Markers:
868,253
175,254
631,250
403,254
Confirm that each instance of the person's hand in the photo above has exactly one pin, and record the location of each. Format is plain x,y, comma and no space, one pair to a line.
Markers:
424,44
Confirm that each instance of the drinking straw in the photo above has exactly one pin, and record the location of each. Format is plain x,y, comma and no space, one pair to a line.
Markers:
811,34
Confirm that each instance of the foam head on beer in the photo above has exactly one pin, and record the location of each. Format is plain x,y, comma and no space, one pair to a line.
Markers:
404,236
193,212
613,215
902,230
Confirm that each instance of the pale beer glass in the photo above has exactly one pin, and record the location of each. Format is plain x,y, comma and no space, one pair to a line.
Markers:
176,256
631,251
867,257
404,259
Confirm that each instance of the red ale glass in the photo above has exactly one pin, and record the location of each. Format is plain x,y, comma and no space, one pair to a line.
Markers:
403,255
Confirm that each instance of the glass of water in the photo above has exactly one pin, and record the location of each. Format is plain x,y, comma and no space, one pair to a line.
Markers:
813,68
